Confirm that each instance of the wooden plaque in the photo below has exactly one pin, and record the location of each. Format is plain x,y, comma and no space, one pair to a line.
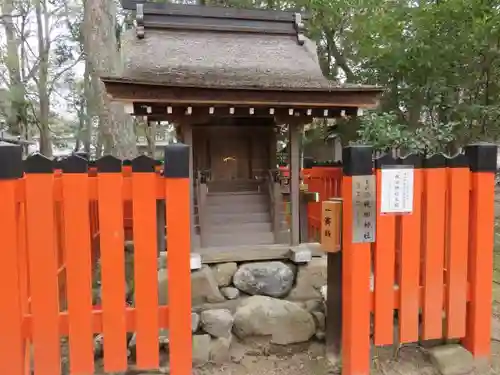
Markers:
331,225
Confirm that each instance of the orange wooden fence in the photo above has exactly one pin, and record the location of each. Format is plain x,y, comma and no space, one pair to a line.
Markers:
46,222
327,182
324,180
435,262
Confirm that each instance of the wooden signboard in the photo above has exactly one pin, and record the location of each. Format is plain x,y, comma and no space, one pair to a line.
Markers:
331,226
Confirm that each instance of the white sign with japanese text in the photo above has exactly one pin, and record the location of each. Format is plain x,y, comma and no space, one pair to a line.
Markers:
364,209
397,190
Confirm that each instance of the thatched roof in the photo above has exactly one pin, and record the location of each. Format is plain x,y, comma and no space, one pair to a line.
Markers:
210,47
218,59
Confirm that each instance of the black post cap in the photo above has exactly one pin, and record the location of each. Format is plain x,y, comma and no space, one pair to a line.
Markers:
308,162
435,161
109,164
357,160
11,161
74,164
143,164
414,160
482,157
176,161
386,159
458,161
38,163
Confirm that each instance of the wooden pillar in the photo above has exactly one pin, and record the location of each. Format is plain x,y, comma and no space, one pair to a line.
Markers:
294,140
187,135
272,149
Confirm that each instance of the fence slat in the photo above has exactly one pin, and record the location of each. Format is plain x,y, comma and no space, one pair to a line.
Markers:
409,261
178,219
78,264
145,253
457,246
433,208
356,269
385,258
42,265
11,340
483,166
110,203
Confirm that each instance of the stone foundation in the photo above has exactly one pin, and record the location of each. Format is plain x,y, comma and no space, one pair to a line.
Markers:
267,305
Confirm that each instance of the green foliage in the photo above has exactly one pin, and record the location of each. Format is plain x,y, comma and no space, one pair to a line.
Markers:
384,132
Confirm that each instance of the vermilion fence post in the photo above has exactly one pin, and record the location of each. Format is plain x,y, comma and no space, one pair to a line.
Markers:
75,193
110,202
433,241
41,242
457,245
482,158
384,250
408,258
178,218
11,340
356,266
145,251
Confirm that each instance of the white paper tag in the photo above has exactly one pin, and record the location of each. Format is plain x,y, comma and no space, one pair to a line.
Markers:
397,190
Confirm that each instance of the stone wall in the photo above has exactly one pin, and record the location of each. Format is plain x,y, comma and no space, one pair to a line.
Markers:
278,302
273,303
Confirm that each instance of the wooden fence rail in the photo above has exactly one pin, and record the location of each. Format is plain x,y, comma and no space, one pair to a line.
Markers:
47,221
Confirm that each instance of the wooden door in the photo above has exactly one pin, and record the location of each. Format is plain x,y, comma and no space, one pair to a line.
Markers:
224,157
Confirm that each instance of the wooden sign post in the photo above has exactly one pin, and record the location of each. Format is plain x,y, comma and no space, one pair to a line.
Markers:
331,225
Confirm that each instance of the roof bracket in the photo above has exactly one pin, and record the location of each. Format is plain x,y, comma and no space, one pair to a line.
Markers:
139,19
299,28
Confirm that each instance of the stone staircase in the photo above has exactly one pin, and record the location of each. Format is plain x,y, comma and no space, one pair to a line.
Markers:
237,213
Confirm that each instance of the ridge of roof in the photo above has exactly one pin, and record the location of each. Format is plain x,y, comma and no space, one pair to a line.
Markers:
149,15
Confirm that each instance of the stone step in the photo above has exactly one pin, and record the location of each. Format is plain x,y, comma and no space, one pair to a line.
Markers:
237,207
254,228
234,185
237,218
229,239
236,197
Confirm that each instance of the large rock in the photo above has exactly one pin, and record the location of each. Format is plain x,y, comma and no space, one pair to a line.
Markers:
217,323
201,349
273,279
224,273
452,359
310,278
286,322
203,287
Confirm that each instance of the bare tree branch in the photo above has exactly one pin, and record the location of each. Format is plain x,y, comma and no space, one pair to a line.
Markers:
62,72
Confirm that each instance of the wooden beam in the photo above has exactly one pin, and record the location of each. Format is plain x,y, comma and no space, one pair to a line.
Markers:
160,111
341,97
218,24
168,9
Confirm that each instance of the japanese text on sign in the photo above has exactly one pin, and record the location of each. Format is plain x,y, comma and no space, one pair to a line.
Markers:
330,225
397,190
364,209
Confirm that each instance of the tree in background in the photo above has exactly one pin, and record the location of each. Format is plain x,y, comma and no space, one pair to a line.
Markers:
437,59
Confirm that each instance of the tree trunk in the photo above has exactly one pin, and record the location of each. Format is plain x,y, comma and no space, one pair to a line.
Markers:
87,110
116,128
16,120
42,20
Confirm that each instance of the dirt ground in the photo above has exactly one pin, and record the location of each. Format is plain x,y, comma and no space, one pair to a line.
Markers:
409,360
